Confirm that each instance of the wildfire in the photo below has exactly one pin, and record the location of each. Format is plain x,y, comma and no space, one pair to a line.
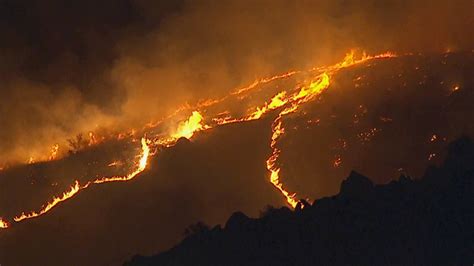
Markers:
284,102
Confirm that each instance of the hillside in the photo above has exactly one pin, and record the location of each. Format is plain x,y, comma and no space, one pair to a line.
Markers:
406,222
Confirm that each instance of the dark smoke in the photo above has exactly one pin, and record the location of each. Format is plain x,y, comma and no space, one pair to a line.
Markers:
74,66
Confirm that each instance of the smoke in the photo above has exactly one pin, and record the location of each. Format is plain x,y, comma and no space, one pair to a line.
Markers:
70,67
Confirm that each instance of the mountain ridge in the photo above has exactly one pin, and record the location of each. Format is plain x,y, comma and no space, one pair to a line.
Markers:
429,221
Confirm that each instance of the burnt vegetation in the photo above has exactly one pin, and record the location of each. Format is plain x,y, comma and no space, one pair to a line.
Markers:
428,221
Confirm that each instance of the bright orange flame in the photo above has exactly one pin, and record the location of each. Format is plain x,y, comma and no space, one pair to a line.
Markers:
274,170
56,200
189,127
140,167
304,95
276,102
315,88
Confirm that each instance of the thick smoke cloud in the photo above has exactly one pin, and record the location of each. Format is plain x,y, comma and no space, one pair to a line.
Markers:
73,66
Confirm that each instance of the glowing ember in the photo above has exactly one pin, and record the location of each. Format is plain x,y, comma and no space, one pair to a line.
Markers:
337,162
431,156
3,224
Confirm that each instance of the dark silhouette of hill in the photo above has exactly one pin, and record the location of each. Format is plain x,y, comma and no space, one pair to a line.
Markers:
429,221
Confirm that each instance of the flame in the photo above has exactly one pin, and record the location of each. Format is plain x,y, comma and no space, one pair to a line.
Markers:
140,167
189,127
54,152
263,81
56,200
77,187
315,88
277,131
305,94
276,102
287,103
3,224
31,160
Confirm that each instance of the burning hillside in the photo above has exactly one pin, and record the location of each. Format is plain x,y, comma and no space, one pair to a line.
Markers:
123,120
285,103
305,128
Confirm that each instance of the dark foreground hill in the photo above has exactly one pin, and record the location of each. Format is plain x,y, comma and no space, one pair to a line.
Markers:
406,222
